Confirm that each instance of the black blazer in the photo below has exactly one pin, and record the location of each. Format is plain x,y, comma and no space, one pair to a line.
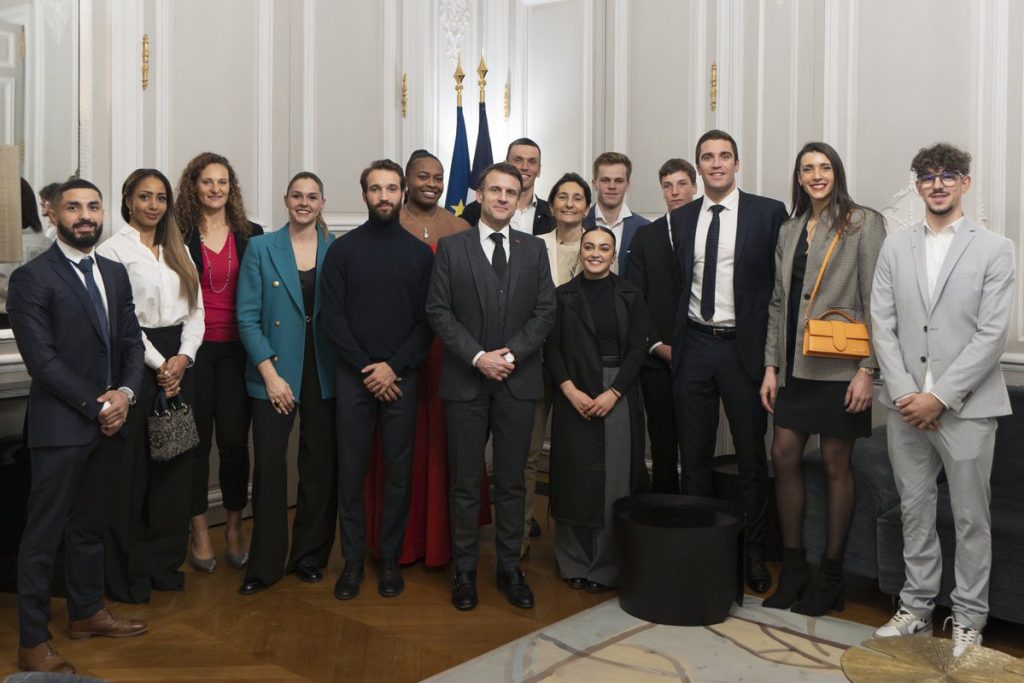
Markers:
654,269
577,445
58,335
543,221
757,231
195,245
458,311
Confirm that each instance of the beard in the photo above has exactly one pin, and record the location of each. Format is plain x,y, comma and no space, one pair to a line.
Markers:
385,213
68,235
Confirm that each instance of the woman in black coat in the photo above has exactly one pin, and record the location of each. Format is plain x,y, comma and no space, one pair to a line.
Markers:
594,353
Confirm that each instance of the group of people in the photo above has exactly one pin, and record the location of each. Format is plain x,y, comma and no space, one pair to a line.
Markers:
421,333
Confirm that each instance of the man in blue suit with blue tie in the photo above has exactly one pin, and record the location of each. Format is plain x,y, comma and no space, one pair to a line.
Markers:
612,172
75,326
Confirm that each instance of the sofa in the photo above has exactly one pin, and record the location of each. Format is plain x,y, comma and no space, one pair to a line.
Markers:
875,545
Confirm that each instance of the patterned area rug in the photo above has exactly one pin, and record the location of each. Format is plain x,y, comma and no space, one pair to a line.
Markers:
604,643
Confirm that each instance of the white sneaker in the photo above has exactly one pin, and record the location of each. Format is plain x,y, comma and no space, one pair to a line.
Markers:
963,635
903,623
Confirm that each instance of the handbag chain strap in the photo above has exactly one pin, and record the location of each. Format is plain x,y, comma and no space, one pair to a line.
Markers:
821,274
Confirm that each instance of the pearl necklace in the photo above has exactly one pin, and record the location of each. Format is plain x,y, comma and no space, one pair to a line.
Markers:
209,264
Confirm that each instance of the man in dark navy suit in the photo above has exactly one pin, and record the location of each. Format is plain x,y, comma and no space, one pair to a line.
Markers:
75,326
726,247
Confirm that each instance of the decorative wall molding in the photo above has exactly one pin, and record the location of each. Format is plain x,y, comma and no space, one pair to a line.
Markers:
852,89
8,90
730,26
587,105
85,89
390,52
701,65
830,86
58,14
620,78
455,20
264,58
309,89
162,32
126,112
794,73
759,106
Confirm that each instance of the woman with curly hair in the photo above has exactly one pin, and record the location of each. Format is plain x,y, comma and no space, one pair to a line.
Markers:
212,219
145,543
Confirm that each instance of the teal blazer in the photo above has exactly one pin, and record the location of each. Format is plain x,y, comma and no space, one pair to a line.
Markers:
272,318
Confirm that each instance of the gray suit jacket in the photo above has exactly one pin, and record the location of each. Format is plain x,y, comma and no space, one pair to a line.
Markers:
846,287
961,331
458,311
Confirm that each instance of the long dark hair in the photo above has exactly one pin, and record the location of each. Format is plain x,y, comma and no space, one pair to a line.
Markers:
844,214
167,234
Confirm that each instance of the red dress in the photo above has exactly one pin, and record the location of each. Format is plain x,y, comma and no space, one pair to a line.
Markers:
428,535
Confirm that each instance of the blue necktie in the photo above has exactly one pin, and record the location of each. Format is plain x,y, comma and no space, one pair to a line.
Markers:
85,265
707,287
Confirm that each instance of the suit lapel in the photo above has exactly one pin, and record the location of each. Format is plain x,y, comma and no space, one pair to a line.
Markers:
962,238
623,300
516,256
321,251
62,266
742,230
477,262
283,257
685,233
920,258
576,302
110,289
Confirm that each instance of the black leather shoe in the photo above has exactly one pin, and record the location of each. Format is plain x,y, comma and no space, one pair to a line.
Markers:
390,582
464,590
513,584
347,586
252,587
310,573
595,587
577,583
534,528
756,573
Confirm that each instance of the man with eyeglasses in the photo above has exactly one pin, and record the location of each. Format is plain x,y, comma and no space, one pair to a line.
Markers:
941,305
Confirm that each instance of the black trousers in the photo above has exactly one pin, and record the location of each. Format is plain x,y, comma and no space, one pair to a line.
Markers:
357,413
221,400
510,421
69,500
147,538
317,506
710,370
656,383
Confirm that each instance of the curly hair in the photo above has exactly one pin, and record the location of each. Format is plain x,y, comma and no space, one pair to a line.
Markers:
941,157
188,211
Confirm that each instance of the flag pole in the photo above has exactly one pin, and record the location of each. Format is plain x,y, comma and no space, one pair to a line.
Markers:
481,71
459,76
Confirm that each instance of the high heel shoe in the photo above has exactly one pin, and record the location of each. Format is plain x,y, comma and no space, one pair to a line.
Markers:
201,564
237,561
827,591
793,579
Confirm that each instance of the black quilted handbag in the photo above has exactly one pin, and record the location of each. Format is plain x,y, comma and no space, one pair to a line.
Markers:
171,428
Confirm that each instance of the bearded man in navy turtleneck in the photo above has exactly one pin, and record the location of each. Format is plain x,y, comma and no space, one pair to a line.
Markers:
375,281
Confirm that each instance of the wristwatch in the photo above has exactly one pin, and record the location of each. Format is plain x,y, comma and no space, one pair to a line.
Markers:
870,372
509,357
129,393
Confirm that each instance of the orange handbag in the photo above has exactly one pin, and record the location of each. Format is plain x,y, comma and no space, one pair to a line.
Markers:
847,338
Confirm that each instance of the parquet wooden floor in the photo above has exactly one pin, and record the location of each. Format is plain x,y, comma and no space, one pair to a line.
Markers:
299,632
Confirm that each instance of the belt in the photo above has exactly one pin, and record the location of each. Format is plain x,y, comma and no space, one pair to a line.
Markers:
721,332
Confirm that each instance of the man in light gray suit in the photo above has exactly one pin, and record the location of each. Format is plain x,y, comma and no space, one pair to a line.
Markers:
491,302
941,306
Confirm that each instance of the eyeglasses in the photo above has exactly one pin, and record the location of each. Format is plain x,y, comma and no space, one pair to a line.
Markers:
948,178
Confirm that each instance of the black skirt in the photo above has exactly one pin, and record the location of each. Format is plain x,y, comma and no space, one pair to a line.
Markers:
816,407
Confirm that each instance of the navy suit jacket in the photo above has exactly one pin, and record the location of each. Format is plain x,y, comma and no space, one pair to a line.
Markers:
58,335
758,221
629,228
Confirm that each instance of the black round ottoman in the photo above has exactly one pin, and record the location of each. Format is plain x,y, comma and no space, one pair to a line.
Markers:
681,558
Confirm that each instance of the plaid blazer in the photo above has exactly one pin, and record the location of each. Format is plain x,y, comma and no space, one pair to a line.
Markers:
846,286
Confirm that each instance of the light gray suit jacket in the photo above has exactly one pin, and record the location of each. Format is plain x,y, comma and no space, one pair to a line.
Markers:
460,315
961,330
846,287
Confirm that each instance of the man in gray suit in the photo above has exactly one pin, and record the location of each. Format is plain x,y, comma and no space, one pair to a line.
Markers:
941,306
491,302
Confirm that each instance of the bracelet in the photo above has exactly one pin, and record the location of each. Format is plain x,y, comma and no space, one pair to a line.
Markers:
615,391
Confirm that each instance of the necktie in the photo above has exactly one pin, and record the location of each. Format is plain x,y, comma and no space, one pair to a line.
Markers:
707,289
498,259
85,265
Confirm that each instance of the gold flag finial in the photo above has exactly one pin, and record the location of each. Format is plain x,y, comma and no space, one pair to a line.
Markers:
481,71
459,76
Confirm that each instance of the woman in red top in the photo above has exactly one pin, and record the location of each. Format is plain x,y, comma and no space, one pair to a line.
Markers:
213,222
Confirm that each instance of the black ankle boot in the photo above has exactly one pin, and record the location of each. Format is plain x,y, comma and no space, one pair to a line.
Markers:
792,581
827,590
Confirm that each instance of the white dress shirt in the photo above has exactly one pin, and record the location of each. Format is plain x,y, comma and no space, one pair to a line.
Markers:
156,289
73,255
725,305
936,246
616,228
522,220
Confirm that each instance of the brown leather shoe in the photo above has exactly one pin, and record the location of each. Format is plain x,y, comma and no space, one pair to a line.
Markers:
43,657
104,623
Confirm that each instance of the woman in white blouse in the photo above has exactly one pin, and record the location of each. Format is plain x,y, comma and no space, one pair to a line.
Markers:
149,529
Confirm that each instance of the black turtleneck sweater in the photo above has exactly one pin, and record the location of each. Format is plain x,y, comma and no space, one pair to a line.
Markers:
375,280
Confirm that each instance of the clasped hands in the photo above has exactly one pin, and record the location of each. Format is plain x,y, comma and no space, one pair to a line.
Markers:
113,417
587,407
922,410
381,381
168,375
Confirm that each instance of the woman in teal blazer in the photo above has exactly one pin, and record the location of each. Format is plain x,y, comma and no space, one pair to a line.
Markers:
290,369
